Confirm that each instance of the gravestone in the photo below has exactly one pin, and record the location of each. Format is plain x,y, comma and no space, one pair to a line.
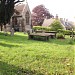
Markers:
12,32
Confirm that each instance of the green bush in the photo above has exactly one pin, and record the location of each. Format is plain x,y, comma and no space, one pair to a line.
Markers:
46,28
71,42
35,28
66,32
74,32
60,30
60,36
56,25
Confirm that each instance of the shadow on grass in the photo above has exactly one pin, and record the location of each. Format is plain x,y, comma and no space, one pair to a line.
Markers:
7,69
8,45
66,41
23,39
13,39
19,39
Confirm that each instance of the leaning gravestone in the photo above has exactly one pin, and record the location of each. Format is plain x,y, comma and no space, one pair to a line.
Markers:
12,32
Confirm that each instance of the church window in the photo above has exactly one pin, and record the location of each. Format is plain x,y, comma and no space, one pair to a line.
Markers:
27,18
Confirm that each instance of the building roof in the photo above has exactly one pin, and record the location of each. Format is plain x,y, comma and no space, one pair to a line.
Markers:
67,24
47,22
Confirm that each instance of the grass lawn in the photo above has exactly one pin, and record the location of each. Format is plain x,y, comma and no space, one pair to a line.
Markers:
20,56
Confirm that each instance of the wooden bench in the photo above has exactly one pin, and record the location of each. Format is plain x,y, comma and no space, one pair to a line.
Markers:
54,32
44,36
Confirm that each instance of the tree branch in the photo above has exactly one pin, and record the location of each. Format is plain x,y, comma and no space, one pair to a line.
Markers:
19,1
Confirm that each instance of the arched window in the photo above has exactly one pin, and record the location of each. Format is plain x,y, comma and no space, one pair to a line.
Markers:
27,18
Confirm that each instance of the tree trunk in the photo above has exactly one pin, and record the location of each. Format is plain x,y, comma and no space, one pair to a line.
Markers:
5,30
1,27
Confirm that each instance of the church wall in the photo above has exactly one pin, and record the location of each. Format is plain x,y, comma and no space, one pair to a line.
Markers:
27,27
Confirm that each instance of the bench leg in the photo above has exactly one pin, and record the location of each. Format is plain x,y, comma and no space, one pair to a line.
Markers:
47,38
30,37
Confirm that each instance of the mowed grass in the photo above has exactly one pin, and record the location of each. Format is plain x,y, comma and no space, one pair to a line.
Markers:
20,56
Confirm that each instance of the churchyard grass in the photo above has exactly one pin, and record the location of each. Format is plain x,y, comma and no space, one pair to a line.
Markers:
20,56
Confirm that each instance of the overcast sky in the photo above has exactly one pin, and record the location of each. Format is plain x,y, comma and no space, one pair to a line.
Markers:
64,8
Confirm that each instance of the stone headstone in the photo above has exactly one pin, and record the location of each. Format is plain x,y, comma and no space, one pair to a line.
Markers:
12,32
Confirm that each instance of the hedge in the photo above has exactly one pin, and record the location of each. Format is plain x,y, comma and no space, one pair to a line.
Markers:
35,28
66,32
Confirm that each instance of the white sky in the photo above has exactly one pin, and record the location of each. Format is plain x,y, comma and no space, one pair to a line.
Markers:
64,8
